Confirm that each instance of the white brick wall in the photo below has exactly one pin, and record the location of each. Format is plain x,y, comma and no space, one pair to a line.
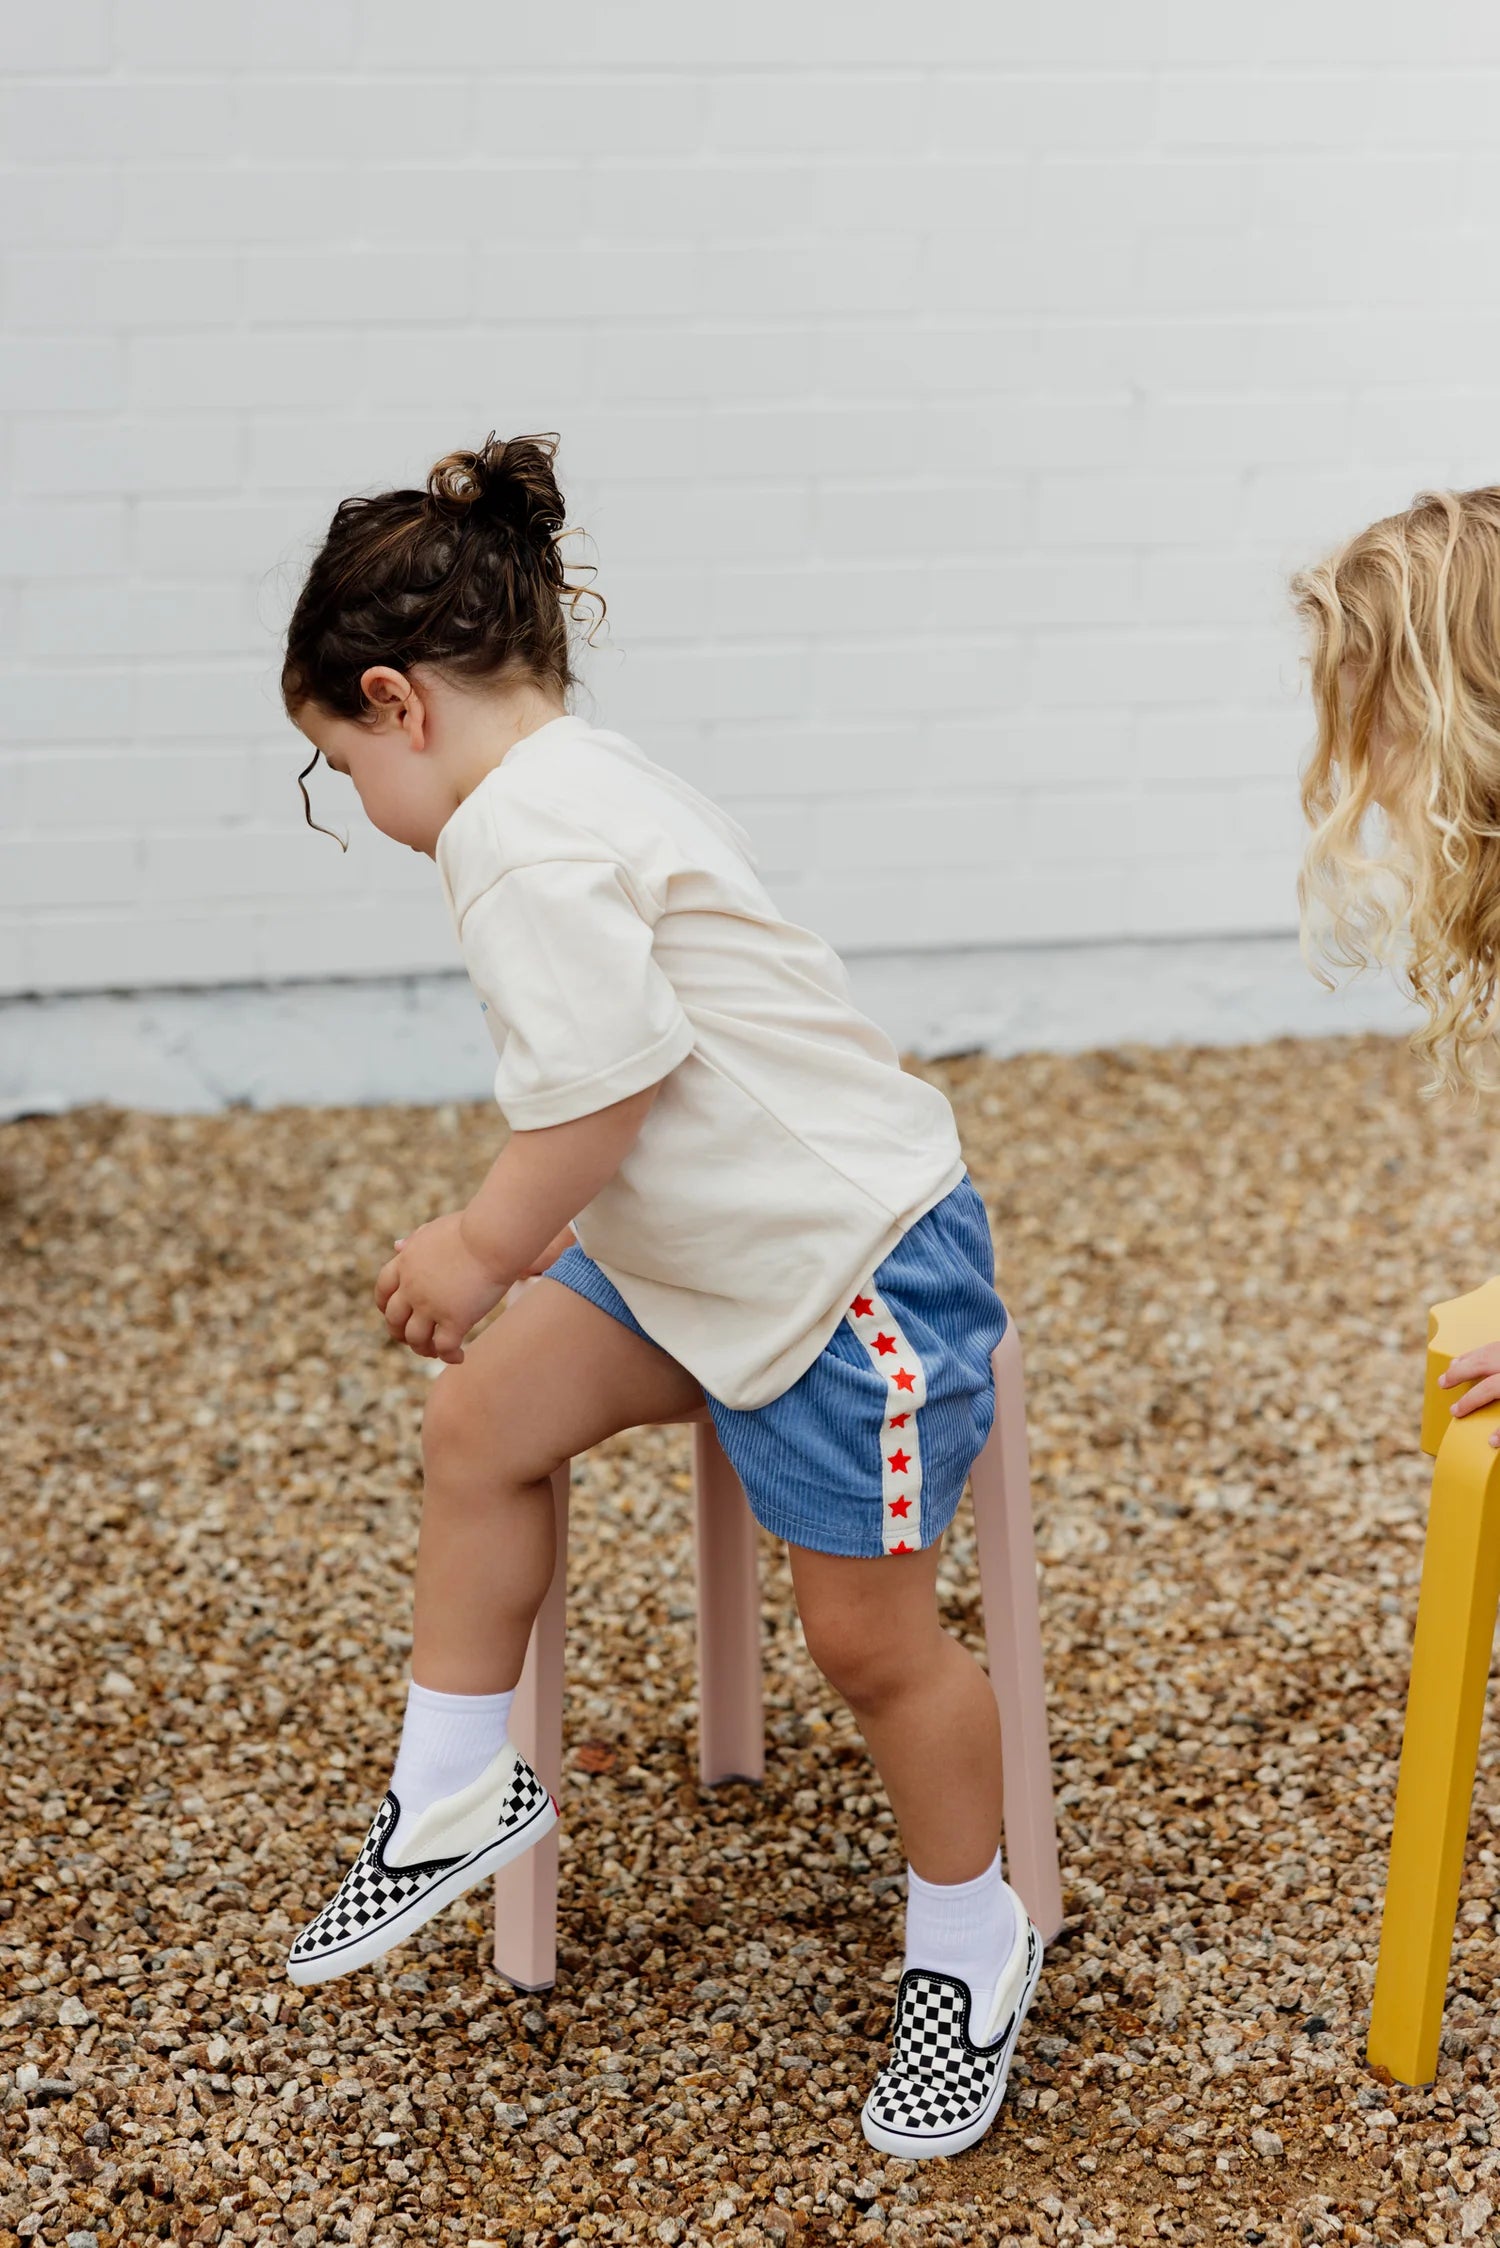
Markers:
948,390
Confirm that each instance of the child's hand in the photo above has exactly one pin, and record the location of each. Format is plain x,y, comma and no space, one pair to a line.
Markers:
1482,1368
435,1289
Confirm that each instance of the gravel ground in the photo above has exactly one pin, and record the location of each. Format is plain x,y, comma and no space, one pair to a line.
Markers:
1220,1261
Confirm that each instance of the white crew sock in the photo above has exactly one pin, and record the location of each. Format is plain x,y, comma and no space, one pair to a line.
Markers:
446,1741
962,1928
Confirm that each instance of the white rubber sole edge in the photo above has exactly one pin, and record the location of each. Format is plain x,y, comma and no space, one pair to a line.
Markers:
918,2146
376,1942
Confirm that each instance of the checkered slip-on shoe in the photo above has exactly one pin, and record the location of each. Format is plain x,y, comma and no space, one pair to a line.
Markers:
940,2091
461,1839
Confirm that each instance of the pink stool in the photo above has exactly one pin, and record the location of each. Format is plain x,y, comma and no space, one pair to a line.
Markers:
731,1728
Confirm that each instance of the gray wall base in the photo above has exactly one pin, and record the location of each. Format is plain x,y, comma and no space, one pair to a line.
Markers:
421,1039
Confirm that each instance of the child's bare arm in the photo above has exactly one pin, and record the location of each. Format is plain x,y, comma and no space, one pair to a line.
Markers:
540,1179
447,1274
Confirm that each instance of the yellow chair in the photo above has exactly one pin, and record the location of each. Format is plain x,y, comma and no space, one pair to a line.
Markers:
1444,1705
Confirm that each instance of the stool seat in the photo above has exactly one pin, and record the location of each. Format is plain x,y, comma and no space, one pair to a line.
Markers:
731,1720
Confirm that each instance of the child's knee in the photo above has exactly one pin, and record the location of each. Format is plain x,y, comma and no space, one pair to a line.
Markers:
449,1431
473,1425
857,1657
457,1423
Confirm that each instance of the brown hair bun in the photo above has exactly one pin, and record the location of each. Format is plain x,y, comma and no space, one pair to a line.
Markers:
466,575
508,483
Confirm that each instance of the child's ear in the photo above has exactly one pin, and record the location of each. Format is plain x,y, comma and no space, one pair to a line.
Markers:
394,698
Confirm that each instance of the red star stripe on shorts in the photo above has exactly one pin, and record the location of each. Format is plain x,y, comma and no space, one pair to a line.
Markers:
900,1368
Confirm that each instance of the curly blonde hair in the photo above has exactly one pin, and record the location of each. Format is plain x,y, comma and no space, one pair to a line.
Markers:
1402,790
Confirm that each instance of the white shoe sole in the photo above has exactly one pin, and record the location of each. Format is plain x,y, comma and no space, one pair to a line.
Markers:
917,2146
361,1951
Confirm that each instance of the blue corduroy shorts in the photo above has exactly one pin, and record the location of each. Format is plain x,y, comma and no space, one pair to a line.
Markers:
868,1451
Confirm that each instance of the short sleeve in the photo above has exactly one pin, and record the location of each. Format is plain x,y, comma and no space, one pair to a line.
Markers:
579,1009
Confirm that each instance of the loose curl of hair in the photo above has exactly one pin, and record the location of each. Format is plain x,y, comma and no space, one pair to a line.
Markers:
466,576
1402,789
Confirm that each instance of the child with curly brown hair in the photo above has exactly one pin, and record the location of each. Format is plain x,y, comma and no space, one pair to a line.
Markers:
734,1197
1403,788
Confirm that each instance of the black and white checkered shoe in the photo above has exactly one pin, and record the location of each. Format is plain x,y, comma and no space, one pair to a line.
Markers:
940,2090
455,1842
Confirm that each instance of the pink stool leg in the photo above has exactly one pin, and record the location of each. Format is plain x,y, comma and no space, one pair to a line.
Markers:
526,1889
1000,1481
731,1712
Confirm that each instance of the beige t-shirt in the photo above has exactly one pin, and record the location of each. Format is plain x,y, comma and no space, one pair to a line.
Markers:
615,930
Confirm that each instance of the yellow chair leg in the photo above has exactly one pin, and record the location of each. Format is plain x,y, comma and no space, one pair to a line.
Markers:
1440,1745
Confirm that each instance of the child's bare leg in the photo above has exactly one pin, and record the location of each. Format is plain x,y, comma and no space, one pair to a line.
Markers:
551,1376
923,1703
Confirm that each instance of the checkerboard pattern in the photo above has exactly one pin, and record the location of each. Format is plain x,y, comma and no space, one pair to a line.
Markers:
372,1893
936,2080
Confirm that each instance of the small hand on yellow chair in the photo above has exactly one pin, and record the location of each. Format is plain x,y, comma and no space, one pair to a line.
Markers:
1482,1368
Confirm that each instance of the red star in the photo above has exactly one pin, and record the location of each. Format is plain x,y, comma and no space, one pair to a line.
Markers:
900,1462
862,1307
884,1345
904,1380
898,1420
903,1547
900,1506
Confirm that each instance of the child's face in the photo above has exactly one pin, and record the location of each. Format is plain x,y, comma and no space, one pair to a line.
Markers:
404,788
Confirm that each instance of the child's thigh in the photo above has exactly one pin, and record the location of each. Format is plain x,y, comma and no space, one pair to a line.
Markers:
550,1377
868,1622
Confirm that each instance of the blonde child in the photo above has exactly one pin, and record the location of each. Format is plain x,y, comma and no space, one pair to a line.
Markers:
1403,787
733,1194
